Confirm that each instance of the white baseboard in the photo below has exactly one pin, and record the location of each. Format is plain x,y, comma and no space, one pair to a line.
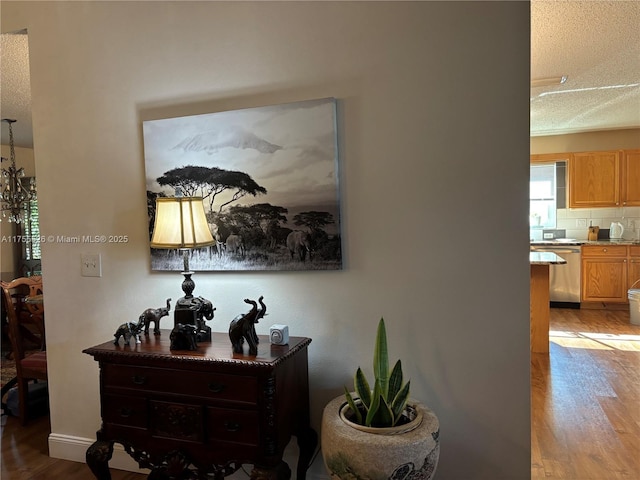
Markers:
67,447
71,448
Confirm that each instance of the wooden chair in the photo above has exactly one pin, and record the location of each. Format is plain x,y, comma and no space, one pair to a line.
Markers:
26,332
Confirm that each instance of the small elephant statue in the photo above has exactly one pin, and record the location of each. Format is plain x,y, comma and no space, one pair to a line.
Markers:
154,315
243,327
128,330
183,337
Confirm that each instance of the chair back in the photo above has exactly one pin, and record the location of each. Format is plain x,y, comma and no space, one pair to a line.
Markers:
26,322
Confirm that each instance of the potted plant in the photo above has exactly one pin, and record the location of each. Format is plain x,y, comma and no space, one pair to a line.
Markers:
380,432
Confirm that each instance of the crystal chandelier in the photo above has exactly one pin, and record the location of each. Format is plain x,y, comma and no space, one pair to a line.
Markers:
15,196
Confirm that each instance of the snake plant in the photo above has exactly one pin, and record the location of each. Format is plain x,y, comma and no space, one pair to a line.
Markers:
383,406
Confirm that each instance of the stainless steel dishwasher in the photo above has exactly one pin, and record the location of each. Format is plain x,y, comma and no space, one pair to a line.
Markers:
564,280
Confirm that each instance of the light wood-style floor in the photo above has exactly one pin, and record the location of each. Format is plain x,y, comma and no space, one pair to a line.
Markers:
586,398
585,408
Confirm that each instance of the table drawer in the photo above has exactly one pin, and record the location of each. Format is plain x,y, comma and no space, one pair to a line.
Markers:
604,250
123,410
231,425
234,388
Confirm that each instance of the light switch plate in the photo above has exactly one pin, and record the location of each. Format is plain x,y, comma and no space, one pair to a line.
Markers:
91,265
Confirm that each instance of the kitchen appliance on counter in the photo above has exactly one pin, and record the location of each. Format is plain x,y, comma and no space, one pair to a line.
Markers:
615,231
564,280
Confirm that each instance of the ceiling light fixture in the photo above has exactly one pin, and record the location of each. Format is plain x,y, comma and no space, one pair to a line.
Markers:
15,197
548,81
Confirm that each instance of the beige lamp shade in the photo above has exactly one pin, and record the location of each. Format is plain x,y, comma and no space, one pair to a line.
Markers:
181,223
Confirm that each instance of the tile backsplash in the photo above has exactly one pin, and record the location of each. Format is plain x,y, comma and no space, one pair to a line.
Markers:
576,221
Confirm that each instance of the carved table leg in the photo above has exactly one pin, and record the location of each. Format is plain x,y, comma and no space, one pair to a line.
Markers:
307,443
98,456
280,472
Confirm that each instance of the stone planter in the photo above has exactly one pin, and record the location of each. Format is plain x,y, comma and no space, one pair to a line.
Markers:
407,452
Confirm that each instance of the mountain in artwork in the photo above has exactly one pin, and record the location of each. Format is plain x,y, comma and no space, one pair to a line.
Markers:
232,137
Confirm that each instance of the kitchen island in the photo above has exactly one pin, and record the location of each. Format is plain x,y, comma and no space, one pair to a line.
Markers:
539,298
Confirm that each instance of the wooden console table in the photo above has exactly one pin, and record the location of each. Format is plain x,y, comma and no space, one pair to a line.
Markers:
193,415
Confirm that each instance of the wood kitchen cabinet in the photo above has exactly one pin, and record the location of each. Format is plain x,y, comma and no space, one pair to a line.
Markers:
202,414
634,265
604,179
631,178
609,271
604,273
594,179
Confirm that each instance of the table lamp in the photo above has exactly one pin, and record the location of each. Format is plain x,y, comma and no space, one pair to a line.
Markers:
182,224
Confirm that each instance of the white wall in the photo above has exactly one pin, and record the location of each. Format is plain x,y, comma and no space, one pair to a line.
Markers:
433,101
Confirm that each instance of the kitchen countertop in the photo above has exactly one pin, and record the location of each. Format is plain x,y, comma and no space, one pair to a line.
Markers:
545,258
560,242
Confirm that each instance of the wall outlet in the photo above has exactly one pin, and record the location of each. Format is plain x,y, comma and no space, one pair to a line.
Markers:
91,265
581,222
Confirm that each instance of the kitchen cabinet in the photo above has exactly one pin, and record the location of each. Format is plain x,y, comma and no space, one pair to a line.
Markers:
609,271
631,178
604,273
604,179
634,265
594,179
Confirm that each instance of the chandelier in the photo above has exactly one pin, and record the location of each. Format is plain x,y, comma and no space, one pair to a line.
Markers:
15,196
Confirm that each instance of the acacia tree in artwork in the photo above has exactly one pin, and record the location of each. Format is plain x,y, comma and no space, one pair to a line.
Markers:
313,220
209,182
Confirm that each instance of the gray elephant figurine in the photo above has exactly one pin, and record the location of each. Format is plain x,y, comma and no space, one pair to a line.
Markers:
128,330
299,244
243,327
154,315
183,337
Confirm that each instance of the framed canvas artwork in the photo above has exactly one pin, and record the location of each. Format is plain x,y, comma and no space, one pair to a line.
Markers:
268,177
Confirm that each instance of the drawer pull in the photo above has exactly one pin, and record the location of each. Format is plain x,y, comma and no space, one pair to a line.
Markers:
216,387
126,412
232,426
139,379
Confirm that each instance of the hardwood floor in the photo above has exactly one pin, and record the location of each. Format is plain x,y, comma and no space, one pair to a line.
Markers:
586,398
25,455
585,408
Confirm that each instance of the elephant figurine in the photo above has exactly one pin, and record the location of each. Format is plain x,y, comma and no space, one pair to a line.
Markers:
128,330
197,310
183,337
154,315
299,244
243,327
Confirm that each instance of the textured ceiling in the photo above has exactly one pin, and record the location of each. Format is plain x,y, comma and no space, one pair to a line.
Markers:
15,88
596,44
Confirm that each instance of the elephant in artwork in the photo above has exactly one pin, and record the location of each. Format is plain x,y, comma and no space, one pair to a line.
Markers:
243,327
235,244
299,245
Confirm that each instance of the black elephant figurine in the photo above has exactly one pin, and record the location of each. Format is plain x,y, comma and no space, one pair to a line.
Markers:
196,311
128,330
183,337
243,327
154,315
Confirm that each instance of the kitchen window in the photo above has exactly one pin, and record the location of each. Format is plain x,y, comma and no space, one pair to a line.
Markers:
543,190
